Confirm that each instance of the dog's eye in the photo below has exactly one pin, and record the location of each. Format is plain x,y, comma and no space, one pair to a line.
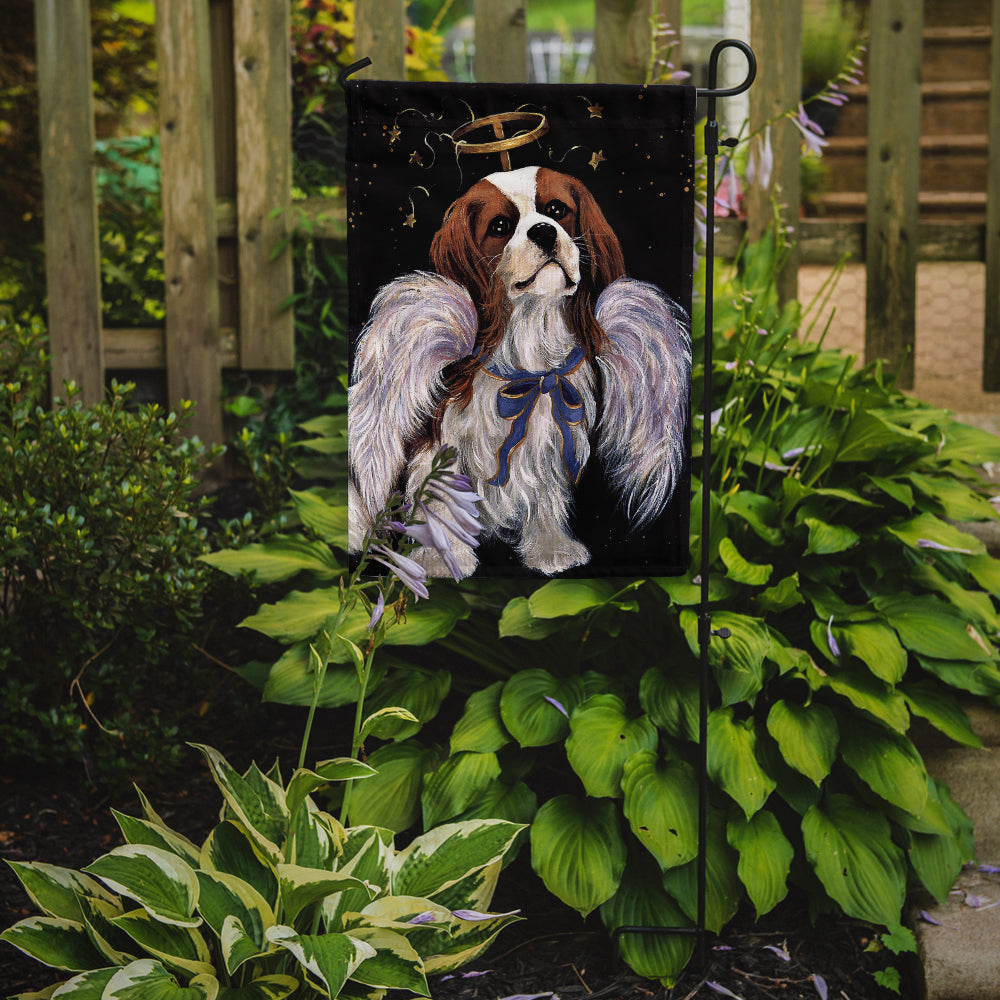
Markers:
556,209
499,226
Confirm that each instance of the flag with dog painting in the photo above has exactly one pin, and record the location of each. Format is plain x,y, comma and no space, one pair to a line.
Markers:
520,265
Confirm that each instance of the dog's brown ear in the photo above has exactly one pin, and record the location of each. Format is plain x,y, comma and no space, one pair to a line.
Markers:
607,262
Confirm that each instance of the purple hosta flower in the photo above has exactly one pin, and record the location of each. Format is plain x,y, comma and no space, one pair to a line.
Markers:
780,952
465,975
475,915
427,917
558,705
719,988
820,984
834,648
411,573
811,132
928,543
377,612
761,163
990,869
927,918
531,996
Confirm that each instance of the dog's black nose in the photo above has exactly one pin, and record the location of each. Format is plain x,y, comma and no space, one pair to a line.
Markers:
543,235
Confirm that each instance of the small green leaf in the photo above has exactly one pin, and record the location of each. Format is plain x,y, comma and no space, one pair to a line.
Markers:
888,763
559,598
517,620
279,558
765,858
391,798
807,736
827,539
456,784
535,706
739,569
671,699
481,727
732,760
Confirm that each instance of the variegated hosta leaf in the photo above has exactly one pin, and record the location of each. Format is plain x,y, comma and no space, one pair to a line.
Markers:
578,851
274,987
86,986
441,857
850,847
256,801
329,959
765,858
300,887
468,939
229,848
304,782
225,897
158,880
56,891
116,946
732,760
54,941
602,737
315,839
661,800
177,947
141,831
807,736
367,853
475,891
642,902
149,980
395,964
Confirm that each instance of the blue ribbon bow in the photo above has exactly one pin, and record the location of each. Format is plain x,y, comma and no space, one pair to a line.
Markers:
516,400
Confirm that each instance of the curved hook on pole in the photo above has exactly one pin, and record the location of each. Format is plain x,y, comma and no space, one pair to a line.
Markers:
713,90
349,70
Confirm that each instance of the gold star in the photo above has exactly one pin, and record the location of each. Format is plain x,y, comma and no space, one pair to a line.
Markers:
394,134
595,110
410,220
598,157
416,158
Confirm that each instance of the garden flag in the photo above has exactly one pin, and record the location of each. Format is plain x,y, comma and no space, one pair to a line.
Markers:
520,262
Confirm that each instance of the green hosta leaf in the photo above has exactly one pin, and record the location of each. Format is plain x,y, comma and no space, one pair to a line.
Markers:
965,443
888,763
180,948
928,528
870,435
98,916
330,959
528,710
602,738
225,897
758,511
301,887
741,571
898,491
671,699
578,851
86,986
230,849
304,782
559,598
275,987
876,646
865,692
850,848
418,691
941,709
147,979
386,723
54,941
292,680
732,761
517,620
456,784
327,520
937,859
661,800
974,604
807,736
299,615
438,859
56,891
641,901
260,809
141,831
160,882
957,501
395,964
723,889
931,628
738,661
976,678
391,798
279,558
783,595
481,728
684,592
765,858
827,539
986,571
515,803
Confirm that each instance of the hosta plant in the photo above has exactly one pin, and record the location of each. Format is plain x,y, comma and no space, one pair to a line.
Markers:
279,900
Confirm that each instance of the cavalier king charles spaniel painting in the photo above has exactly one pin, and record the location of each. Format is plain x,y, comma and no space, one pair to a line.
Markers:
530,351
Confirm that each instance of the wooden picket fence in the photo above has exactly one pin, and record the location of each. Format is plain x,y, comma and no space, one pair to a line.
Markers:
226,161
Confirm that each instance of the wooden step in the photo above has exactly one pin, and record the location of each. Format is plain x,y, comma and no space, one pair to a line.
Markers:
957,206
956,53
945,104
947,162
940,13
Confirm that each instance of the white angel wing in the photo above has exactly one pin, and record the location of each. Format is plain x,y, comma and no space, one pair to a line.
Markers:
419,324
646,373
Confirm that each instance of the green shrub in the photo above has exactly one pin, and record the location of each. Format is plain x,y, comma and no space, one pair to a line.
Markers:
99,542
280,899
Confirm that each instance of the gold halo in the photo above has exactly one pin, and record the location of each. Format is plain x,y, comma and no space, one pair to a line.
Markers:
503,143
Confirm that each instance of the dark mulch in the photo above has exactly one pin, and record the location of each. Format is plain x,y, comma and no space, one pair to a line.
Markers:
551,951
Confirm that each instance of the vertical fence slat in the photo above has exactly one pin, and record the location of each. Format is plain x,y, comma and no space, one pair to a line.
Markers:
621,40
72,257
893,183
991,333
380,34
261,57
501,41
776,34
190,253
